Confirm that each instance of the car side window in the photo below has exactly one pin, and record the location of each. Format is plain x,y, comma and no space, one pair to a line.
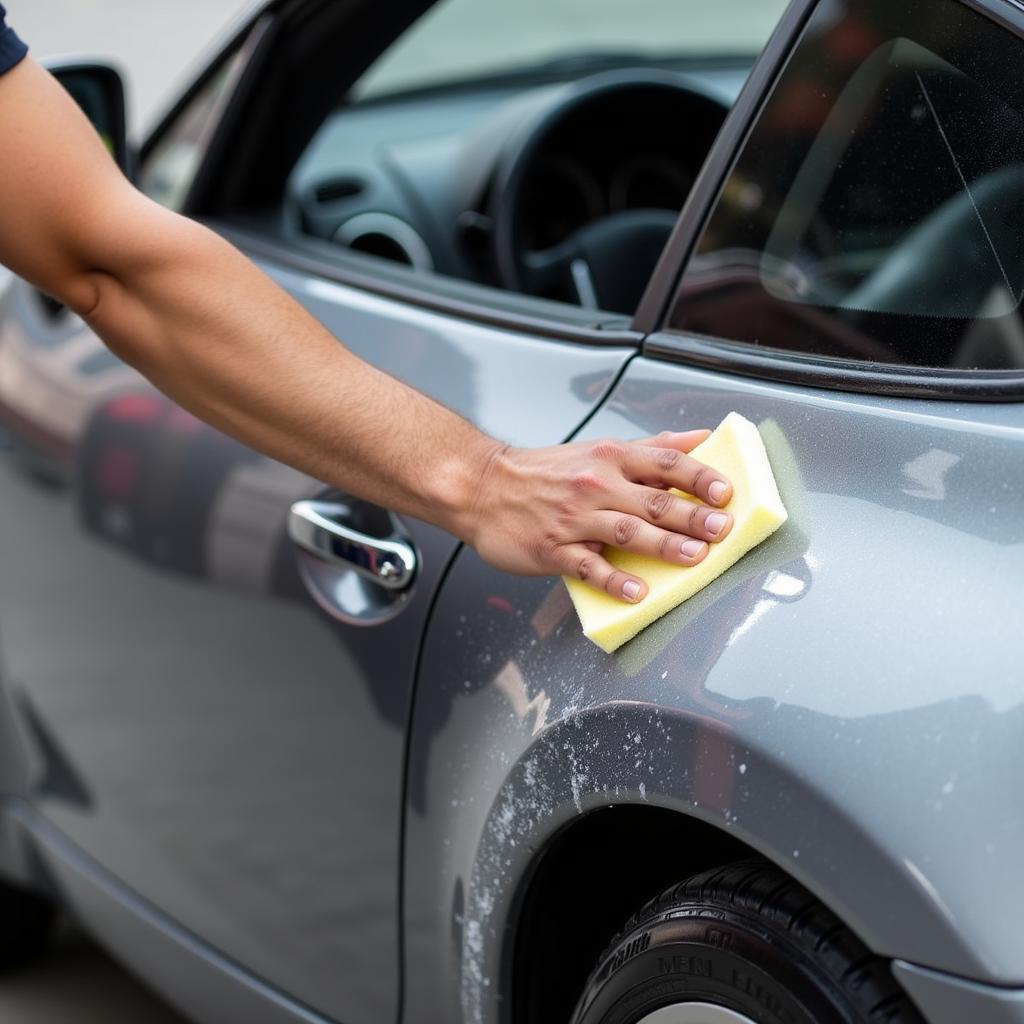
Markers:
876,210
522,146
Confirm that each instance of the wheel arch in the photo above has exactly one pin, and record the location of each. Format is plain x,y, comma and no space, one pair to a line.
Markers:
564,914
558,804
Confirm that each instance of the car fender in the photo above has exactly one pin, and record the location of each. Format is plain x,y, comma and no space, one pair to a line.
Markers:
624,752
843,700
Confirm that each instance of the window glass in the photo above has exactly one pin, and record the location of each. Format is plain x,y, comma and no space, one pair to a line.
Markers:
485,146
461,39
877,209
171,165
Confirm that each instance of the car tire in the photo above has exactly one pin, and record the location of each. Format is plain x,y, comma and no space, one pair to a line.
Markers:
26,925
744,944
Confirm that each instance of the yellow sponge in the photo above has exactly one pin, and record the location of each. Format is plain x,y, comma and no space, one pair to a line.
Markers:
736,450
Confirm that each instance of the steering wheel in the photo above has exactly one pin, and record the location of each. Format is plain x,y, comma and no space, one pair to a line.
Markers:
936,271
608,261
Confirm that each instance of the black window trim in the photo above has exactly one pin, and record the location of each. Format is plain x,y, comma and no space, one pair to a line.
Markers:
861,376
797,368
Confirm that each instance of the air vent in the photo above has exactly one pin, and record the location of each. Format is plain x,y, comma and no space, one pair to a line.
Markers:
337,188
386,236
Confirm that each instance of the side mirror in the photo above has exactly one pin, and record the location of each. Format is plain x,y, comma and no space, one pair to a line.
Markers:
99,90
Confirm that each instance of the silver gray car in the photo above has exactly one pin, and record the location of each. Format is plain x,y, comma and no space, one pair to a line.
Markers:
294,759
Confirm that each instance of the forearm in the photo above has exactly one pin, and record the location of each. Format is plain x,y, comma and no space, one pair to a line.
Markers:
213,332
208,327
183,314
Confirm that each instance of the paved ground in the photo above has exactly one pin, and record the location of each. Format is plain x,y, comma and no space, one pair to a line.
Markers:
154,41
78,983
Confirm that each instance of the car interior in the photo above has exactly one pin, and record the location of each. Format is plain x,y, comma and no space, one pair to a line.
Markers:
527,164
547,168
562,189
876,212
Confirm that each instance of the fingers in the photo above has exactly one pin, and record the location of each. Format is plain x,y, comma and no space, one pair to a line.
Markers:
553,510
674,514
583,563
631,533
662,467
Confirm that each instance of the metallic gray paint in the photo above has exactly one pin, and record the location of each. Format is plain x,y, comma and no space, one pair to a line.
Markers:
846,700
947,1000
205,728
191,975
776,705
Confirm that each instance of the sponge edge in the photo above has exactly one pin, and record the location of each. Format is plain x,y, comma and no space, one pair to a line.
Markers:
736,450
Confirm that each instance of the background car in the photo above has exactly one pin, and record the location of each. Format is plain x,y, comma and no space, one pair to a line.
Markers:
294,759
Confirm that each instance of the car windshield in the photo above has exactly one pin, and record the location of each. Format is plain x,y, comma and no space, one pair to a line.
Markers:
459,40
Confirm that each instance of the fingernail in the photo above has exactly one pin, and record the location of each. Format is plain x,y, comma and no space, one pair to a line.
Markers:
715,523
691,548
716,491
631,590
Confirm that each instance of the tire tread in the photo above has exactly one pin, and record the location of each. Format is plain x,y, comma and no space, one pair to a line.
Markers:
757,886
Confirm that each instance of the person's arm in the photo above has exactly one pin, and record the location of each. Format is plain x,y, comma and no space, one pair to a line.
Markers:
212,331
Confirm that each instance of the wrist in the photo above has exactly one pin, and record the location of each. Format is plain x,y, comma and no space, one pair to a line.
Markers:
466,487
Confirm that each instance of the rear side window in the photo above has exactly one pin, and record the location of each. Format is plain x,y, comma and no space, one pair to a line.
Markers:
876,211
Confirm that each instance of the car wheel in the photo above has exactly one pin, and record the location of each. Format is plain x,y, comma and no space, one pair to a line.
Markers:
744,944
26,924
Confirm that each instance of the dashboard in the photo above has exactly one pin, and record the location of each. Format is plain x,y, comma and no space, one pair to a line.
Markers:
426,179
569,191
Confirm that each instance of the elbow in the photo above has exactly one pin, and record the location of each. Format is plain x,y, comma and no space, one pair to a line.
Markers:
132,294
153,295
116,315
125,248
83,294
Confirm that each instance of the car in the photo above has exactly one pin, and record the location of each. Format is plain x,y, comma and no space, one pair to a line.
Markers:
293,758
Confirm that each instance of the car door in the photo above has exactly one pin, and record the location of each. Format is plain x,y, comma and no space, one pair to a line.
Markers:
844,700
214,704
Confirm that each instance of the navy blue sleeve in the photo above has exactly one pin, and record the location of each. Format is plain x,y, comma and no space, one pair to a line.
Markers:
12,49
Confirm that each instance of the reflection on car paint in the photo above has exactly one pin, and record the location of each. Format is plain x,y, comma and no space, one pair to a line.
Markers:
161,484
51,377
196,650
926,473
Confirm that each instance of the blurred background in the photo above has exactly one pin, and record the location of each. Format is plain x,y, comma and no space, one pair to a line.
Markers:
155,43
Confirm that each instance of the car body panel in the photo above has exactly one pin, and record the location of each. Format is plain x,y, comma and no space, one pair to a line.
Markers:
206,728
945,999
204,985
775,704
230,817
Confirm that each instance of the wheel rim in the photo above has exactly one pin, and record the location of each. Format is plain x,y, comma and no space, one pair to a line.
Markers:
695,1013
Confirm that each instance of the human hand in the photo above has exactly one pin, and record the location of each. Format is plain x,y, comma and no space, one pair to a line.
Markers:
549,511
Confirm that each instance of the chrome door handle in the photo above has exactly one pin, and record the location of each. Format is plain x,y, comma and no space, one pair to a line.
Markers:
318,527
